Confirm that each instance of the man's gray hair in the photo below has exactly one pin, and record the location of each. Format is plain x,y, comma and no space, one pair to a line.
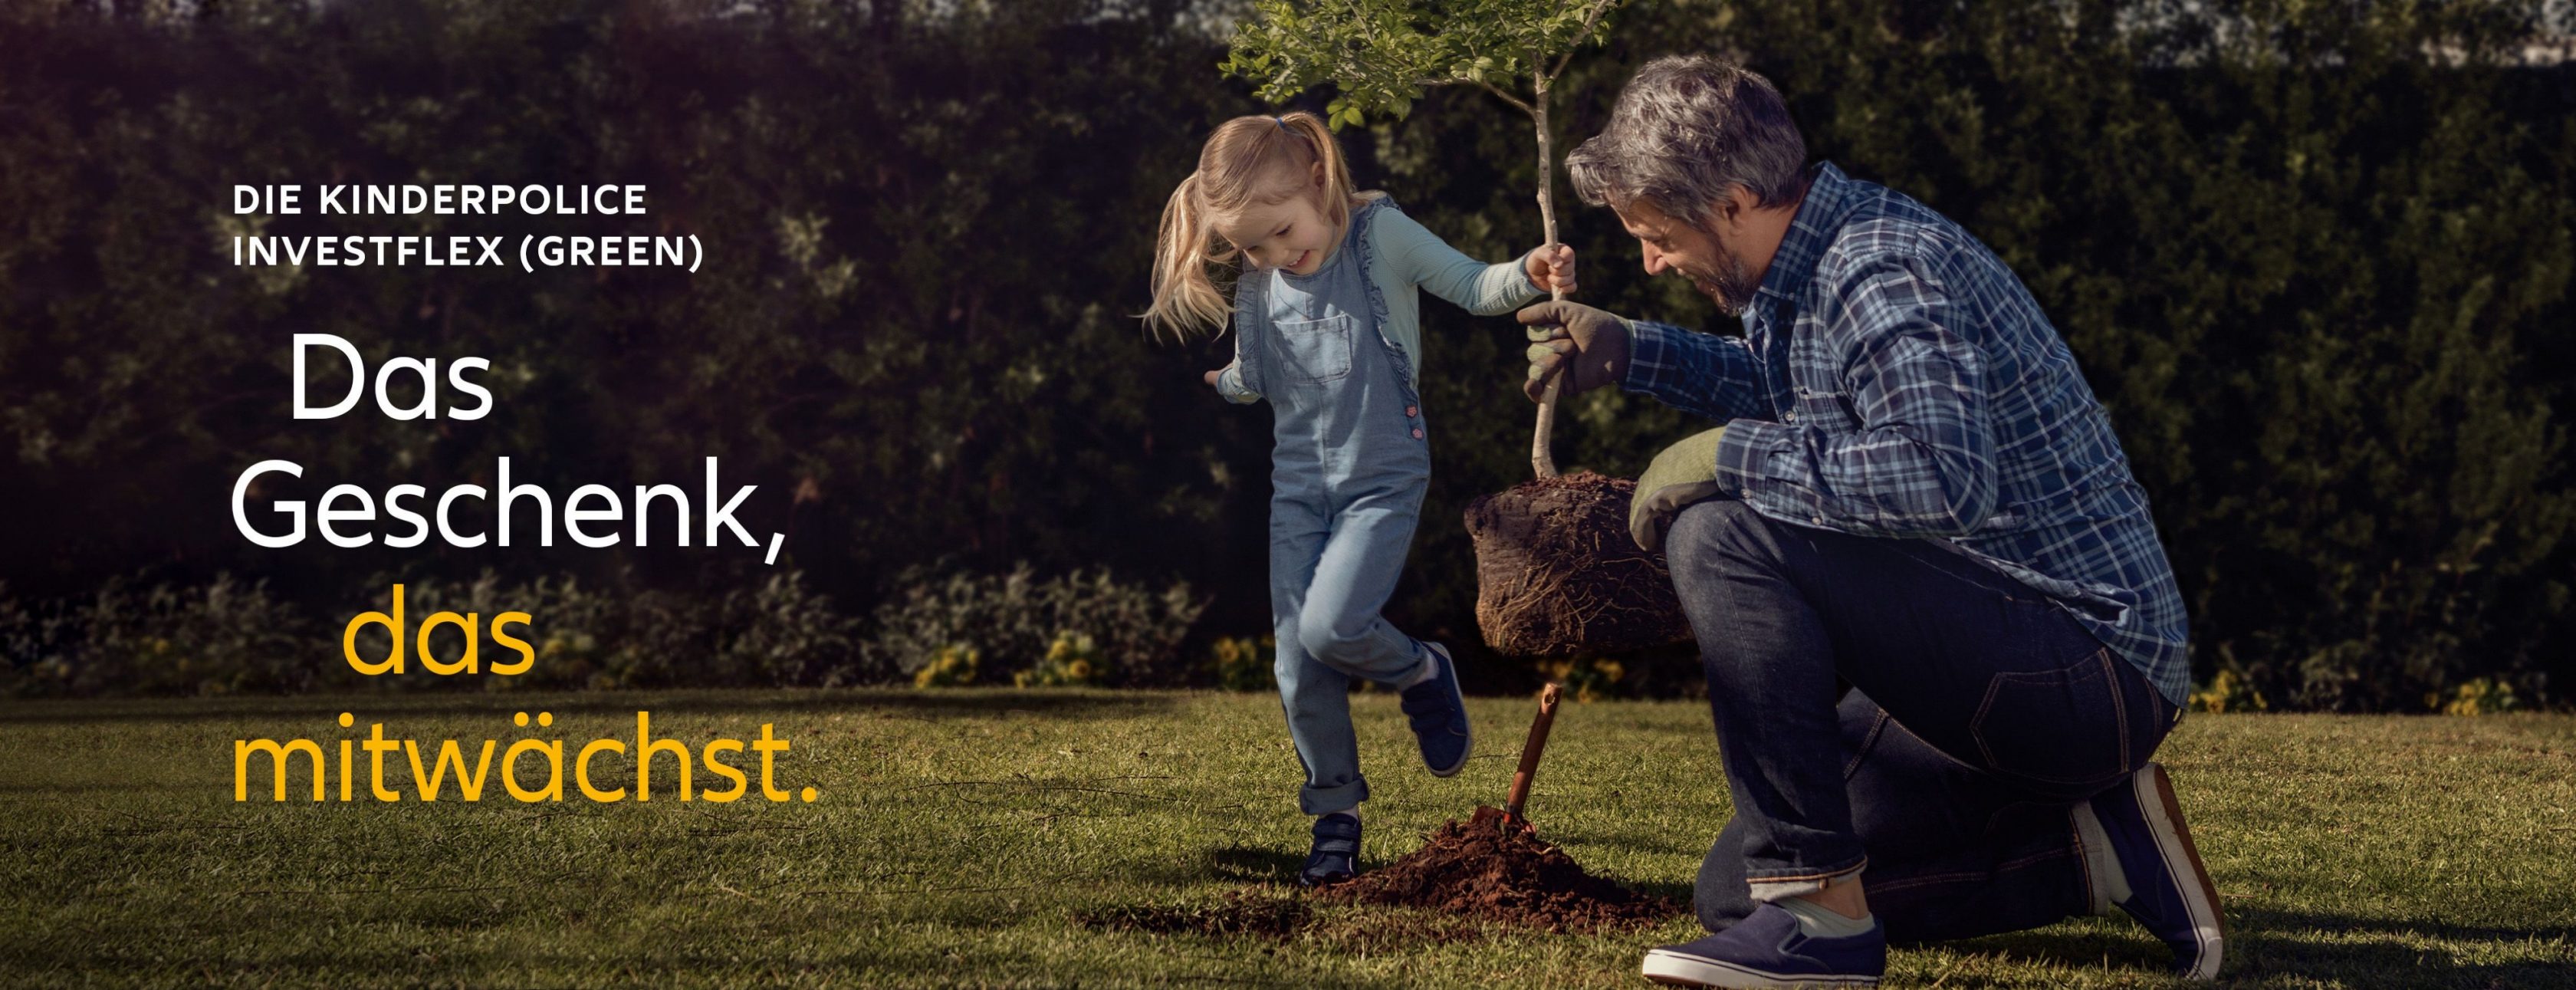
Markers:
1686,132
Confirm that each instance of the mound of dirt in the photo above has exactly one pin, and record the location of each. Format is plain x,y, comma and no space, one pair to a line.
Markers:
1557,573
1504,875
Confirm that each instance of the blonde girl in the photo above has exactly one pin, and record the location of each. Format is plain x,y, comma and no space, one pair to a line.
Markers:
1325,312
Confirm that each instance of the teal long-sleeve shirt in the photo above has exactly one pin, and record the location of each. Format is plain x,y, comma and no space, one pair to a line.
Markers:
1405,255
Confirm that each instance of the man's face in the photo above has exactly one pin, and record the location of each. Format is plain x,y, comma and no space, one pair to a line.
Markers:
1699,255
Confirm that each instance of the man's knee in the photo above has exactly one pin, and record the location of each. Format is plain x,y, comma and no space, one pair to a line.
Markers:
1704,530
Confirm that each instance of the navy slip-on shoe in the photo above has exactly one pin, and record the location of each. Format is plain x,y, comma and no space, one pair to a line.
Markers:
1335,855
2169,888
1438,711
1767,949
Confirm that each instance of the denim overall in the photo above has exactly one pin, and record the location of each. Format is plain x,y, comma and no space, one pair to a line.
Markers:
1347,476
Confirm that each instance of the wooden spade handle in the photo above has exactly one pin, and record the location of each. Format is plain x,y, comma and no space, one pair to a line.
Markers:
1531,750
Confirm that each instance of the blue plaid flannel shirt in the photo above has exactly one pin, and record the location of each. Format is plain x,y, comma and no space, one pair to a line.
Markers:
1895,380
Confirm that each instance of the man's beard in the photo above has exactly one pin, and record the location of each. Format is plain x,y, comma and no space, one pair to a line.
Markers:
1731,286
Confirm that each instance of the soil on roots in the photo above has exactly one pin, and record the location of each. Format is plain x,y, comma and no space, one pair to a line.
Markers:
1557,573
1501,873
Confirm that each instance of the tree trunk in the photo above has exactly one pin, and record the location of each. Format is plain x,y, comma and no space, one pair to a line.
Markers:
1542,460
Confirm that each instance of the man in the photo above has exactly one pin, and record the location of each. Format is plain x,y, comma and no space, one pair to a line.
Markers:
1940,636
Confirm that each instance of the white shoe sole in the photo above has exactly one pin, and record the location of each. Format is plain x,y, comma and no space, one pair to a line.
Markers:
2183,867
1458,694
1676,969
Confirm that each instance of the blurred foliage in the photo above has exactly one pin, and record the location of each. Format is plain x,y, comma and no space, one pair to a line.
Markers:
1244,663
952,666
1073,660
2228,692
1588,678
2315,257
2483,696
226,636
1379,55
1017,622
623,634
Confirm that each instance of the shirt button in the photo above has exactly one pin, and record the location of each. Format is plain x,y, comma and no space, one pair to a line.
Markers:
1818,520
1413,410
1788,417
1417,433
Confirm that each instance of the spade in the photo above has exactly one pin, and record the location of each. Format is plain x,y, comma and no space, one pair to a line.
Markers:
1509,815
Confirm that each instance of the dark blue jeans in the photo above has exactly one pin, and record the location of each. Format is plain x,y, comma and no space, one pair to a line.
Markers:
1891,703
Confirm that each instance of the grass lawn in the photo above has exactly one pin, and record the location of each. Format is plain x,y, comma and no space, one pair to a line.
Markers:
962,837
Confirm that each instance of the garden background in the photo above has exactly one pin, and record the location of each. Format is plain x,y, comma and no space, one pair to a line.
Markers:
2316,258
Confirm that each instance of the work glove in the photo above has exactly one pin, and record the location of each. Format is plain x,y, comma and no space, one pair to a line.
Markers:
1685,473
1589,346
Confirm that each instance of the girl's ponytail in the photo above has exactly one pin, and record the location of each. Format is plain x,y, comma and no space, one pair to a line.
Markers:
1186,301
1247,160
1339,191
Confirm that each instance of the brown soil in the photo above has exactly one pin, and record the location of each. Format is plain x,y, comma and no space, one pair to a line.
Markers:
1503,874
1557,573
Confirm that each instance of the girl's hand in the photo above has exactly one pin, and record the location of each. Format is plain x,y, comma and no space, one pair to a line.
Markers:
1211,377
1552,268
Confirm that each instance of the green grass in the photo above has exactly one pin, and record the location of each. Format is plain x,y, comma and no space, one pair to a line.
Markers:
960,837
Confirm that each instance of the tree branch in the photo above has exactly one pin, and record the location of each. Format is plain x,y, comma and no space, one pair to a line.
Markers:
1515,101
1590,19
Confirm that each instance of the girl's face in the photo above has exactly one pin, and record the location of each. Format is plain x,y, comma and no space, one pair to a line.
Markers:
1293,234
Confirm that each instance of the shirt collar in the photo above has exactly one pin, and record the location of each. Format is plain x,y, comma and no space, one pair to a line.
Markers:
1820,215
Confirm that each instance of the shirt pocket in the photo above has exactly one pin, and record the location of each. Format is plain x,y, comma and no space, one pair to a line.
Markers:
1313,352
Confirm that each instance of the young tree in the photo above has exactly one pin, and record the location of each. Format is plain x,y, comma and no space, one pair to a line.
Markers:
1381,55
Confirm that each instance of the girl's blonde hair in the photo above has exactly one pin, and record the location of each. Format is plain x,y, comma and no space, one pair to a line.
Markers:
1240,167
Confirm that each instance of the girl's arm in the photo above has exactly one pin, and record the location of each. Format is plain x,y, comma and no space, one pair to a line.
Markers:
1229,383
1420,257
1228,380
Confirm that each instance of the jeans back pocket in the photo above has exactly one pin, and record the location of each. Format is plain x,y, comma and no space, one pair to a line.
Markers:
2066,728
1312,352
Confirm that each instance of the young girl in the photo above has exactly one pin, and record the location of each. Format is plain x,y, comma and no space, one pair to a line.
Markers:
1324,313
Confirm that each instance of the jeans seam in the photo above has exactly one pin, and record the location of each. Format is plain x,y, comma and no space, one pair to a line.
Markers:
1994,685
1880,887
1918,554
2033,859
1855,867
2119,705
2084,856
1877,727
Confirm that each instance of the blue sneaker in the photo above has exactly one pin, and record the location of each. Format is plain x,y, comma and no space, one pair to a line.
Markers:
1767,949
1439,714
2169,889
1335,856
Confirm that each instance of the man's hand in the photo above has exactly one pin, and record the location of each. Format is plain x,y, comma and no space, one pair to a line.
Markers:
1683,474
1563,335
